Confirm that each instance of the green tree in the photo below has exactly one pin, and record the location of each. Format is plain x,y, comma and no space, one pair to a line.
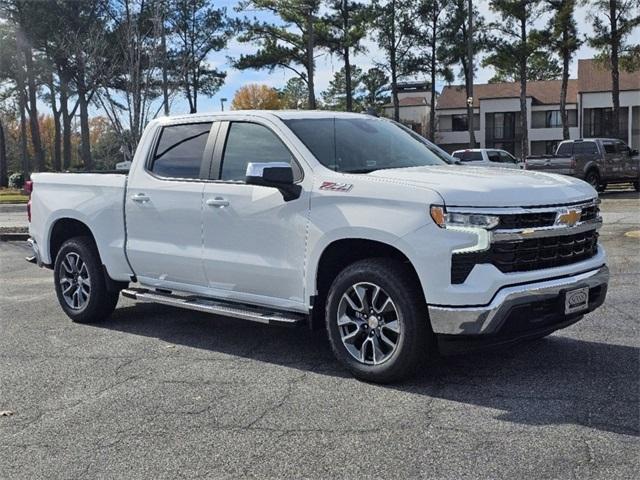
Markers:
295,94
397,35
339,91
565,42
434,59
376,87
455,45
290,44
613,24
540,66
197,29
346,27
514,42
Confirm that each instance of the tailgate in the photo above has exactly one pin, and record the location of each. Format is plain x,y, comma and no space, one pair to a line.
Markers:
562,165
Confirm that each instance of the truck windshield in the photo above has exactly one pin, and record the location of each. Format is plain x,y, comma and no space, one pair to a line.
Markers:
362,145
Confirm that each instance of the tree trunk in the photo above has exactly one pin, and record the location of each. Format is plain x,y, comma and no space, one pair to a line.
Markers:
165,81
36,141
4,181
394,91
524,144
22,105
66,122
432,68
566,58
85,138
347,79
347,60
470,124
615,68
56,160
310,61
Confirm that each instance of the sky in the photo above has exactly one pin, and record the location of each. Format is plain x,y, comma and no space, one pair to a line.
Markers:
327,65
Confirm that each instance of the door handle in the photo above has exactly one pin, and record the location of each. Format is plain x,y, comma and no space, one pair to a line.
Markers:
218,202
140,198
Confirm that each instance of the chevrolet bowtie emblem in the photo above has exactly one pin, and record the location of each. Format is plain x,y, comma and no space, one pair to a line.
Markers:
568,217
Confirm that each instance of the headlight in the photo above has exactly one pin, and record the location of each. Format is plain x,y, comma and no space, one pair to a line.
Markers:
464,220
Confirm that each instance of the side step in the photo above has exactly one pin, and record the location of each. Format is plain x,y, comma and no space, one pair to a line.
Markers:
217,307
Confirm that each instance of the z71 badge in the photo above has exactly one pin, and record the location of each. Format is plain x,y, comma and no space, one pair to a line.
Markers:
336,187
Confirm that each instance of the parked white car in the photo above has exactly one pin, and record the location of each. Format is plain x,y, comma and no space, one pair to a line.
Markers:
321,218
487,157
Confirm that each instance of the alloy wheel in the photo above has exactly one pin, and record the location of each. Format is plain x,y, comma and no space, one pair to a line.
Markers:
75,281
369,323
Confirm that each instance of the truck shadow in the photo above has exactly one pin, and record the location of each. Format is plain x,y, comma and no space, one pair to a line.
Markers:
554,381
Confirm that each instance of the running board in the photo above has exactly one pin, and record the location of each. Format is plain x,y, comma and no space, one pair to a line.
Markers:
217,307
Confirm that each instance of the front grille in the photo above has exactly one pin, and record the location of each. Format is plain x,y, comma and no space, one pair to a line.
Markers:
527,255
519,221
527,220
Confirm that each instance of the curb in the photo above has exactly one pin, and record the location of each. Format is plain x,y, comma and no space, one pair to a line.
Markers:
14,237
13,207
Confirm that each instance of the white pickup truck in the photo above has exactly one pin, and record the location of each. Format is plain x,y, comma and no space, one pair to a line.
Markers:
323,218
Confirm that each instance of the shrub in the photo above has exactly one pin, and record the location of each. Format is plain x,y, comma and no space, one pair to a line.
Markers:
16,180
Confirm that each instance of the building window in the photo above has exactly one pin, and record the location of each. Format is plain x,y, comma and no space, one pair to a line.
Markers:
598,122
459,122
552,119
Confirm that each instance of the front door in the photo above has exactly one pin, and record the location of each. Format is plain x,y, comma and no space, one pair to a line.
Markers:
254,241
164,209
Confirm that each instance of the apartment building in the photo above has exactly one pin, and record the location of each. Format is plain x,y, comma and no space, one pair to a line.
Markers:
497,112
414,104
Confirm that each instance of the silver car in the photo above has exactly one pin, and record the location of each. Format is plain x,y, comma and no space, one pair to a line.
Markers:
487,157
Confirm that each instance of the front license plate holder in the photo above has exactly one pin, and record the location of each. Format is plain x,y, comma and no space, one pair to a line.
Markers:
576,300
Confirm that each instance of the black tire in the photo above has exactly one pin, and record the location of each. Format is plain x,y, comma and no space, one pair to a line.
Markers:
100,302
414,341
593,179
602,187
636,185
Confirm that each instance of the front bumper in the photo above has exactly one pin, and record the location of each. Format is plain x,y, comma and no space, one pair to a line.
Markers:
520,309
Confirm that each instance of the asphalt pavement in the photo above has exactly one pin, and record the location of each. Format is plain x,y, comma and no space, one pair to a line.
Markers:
158,392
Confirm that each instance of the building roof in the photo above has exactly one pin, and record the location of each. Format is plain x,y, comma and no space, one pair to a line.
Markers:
593,76
542,92
410,102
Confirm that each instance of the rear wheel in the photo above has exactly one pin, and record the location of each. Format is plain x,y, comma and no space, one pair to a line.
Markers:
377,321
80,283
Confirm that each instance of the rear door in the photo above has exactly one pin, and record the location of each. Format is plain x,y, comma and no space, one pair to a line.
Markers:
164,207
254,241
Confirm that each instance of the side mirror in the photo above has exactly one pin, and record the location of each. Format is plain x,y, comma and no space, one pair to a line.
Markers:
275,174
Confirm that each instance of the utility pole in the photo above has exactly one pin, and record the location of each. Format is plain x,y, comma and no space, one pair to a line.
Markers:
222,100
471,126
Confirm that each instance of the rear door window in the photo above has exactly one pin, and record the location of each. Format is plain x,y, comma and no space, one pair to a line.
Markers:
506,158
565,149
469,156
180,150
585,148
493,156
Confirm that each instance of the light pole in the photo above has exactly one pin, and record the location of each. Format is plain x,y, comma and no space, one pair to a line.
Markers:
222,100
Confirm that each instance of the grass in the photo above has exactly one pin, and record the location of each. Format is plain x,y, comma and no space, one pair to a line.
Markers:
11,195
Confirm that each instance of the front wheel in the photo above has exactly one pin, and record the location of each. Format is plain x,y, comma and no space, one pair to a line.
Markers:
593,179
377,321
80,283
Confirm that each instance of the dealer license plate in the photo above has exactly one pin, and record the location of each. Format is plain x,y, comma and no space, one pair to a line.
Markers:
576,300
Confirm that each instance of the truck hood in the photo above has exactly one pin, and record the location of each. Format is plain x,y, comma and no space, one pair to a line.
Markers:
492,187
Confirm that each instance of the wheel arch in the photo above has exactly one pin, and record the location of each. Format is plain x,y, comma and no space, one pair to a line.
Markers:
339,253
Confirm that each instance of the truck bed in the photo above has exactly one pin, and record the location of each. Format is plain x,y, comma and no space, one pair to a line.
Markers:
97,199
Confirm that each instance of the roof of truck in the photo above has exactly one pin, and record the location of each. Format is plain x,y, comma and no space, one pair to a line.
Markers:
282,114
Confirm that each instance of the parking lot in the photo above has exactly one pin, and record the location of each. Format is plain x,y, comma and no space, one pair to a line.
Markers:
162,393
